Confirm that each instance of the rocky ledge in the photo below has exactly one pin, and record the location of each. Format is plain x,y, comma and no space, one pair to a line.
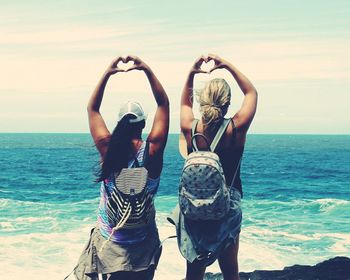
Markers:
337,268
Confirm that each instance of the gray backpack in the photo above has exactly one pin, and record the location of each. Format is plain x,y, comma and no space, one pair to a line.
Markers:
203,192
130,205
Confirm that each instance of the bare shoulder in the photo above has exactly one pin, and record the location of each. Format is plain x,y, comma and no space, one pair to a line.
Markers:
101,143
235,135
155,147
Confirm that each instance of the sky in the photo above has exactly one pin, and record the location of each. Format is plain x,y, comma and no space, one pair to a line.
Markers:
296,53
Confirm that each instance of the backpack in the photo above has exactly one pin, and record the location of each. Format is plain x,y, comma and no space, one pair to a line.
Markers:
203,192
130,205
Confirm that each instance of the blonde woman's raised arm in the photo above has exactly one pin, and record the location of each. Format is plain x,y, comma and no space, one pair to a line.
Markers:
186,113
245,115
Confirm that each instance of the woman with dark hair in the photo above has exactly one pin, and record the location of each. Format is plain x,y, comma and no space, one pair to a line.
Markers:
220,238
116,251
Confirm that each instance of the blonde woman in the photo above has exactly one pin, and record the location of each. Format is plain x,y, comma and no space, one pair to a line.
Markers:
222,237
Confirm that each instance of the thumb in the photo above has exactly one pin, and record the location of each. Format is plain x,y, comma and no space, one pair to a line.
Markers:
203,72
131,68
213,69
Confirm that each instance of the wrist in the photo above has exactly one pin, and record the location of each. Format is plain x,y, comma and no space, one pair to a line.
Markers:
192,73
227,65
147,70
107,74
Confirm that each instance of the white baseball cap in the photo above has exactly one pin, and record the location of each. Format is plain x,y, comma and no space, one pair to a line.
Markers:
132,108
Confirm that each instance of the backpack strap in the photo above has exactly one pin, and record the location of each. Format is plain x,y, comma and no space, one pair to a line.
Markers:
136,163
145,157
234,176
193,140
216,139
219,134
193,132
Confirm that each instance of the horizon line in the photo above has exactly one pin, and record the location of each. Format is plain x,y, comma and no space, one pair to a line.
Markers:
177,133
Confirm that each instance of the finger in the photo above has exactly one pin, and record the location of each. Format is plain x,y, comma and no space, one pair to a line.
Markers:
213,57
129,58
204,58
199,62
209,59
201,71
201,59
112,72
131,68
116,61
213,69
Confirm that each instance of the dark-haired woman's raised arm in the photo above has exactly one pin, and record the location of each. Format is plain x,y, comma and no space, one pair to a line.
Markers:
245,115
98,128
159,132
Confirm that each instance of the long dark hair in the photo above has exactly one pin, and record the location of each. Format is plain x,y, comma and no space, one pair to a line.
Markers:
119,147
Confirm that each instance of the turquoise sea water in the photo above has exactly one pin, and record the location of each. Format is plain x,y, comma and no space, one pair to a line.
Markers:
296,202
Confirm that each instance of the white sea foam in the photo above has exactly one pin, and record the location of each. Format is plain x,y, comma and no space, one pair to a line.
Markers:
33,219
53,255
329,204
6,226
270,243
41,255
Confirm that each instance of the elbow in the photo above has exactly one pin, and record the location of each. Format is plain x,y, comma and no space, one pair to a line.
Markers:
164,102
91,108
256,95
253,92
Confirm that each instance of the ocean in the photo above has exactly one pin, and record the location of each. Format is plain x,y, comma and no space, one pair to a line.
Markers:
296,205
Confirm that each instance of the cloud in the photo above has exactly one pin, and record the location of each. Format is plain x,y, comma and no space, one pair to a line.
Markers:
291,60
66,35
53,55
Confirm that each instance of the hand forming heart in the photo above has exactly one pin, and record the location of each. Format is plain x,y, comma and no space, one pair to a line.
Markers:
126,64
219,63
138,63
207,64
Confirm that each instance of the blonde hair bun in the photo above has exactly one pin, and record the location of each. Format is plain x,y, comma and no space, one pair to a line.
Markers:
215,95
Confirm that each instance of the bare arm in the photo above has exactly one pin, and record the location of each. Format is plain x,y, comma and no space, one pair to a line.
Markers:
245,114
159,132
186,113
98,128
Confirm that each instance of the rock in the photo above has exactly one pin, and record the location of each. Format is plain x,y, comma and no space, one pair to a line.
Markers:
337,268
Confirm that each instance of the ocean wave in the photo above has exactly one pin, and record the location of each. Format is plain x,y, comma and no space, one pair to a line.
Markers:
329,204
323,204
6,202
253,232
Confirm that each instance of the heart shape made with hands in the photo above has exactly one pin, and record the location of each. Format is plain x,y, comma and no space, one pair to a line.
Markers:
125,66
207,66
